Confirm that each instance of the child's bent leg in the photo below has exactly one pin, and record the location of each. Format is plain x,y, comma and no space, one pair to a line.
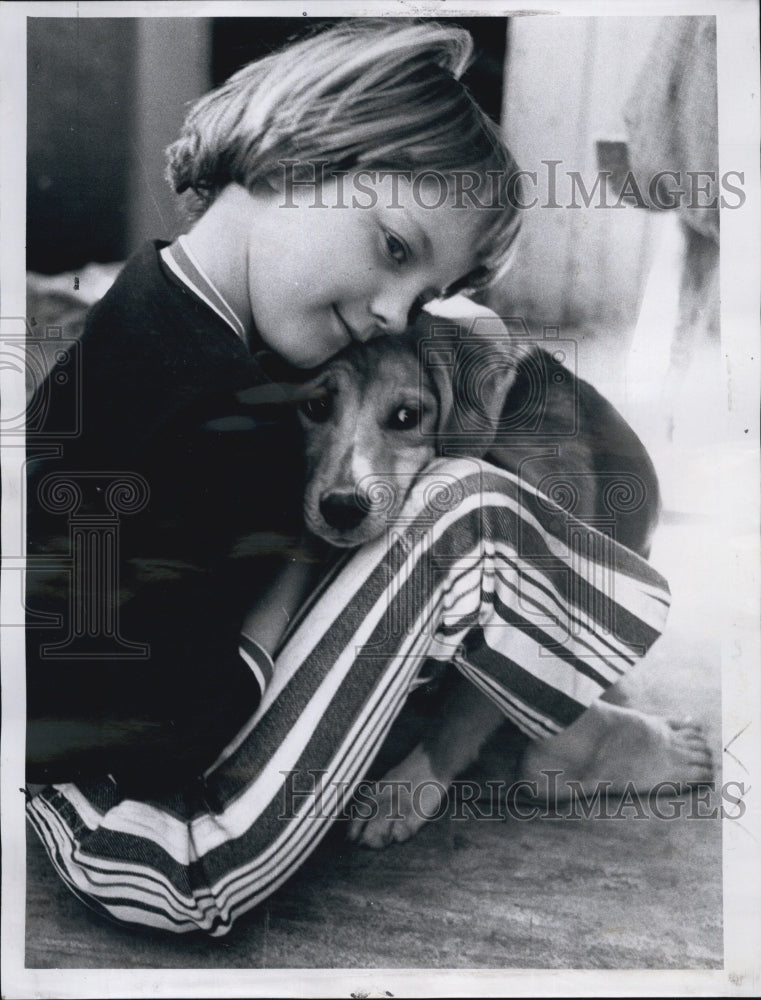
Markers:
479,573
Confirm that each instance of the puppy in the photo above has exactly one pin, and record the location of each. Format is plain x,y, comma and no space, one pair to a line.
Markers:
377,413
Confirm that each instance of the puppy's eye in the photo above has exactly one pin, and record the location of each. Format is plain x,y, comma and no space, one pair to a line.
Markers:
404,419
319,409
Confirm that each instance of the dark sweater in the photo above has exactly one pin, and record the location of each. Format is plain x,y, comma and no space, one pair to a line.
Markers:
219,474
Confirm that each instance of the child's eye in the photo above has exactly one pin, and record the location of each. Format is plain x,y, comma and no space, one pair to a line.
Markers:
396,249
319,409
404,419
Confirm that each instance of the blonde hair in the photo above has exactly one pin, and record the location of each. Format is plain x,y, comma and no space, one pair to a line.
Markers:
372,93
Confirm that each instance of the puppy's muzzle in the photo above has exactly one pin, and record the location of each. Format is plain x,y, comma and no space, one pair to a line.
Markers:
342,511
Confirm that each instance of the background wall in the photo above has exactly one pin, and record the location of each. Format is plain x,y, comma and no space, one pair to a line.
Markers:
564,91
173,68
104,97
79,97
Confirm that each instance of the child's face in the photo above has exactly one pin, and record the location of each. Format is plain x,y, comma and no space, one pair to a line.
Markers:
348,262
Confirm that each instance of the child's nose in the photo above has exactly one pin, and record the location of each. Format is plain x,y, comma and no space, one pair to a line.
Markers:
392,309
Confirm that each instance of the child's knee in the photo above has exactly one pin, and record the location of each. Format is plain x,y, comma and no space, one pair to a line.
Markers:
449,484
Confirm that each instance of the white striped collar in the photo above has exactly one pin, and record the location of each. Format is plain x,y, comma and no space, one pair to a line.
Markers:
185,266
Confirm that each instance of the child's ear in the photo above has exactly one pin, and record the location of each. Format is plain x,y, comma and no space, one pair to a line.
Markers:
471,363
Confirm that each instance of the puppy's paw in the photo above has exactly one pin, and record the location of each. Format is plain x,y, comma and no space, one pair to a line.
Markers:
399,804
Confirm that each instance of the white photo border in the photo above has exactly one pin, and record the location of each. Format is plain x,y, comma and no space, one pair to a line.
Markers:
738,91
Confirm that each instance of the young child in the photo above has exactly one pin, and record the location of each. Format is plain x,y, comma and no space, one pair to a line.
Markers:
342,184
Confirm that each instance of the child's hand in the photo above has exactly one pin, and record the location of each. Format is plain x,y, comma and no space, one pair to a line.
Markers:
268,619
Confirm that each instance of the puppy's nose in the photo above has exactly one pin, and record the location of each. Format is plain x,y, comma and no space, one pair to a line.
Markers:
342,510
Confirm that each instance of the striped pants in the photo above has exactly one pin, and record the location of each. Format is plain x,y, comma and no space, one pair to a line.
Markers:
540,612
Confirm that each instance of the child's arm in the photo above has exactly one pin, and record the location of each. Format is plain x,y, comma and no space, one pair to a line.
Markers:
268,618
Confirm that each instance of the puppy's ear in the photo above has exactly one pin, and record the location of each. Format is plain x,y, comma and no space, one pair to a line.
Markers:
471,364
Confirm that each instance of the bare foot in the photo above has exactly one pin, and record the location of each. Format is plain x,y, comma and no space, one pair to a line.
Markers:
403,801
623,748
619,749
